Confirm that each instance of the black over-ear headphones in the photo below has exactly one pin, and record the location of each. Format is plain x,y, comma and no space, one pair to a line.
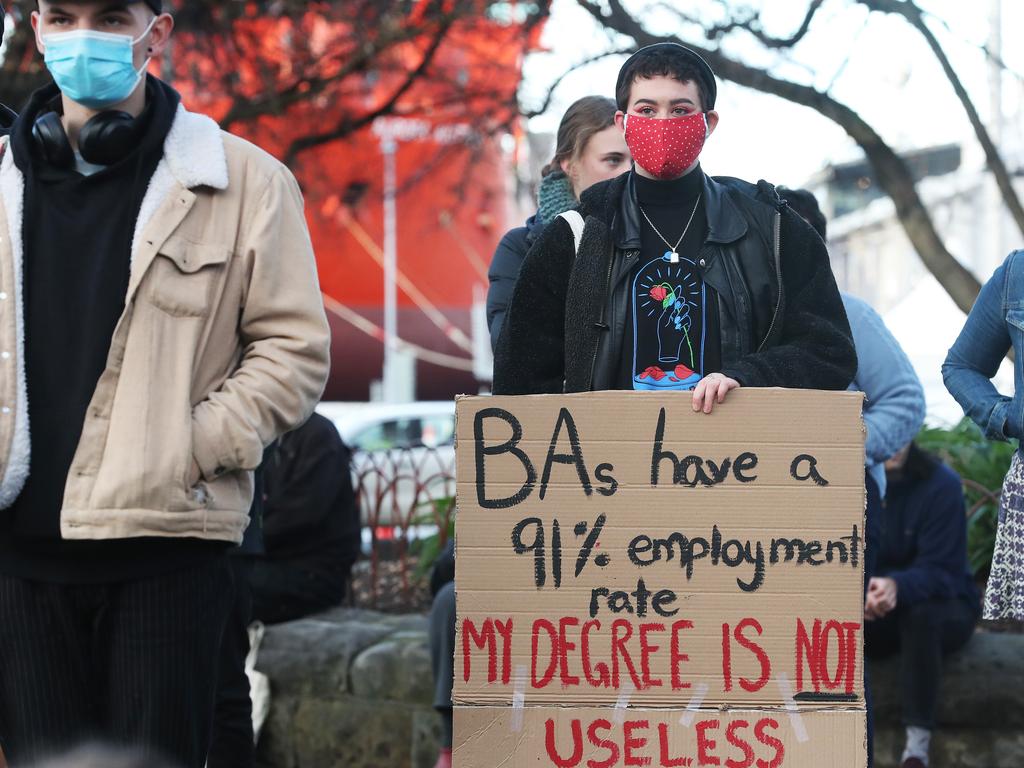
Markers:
103,140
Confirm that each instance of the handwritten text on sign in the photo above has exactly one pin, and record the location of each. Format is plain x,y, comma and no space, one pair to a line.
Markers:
652,548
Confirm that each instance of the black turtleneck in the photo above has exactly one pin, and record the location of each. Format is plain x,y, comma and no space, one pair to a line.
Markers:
671,337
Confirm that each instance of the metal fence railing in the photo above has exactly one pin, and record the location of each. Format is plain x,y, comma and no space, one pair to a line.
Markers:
404,495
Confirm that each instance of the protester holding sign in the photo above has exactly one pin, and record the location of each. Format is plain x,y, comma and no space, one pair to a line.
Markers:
993,328
160,323
679,281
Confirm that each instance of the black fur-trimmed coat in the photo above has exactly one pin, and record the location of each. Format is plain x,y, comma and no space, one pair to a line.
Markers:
782,319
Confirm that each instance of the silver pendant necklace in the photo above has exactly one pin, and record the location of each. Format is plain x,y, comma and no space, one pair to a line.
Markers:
672,254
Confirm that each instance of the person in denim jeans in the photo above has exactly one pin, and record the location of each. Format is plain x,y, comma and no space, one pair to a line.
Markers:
995,324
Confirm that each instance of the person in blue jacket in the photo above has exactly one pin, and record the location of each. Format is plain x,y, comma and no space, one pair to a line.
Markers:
994,326
922,603
588,149
894,404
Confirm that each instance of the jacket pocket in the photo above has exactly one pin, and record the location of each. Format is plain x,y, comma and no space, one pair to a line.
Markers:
184,275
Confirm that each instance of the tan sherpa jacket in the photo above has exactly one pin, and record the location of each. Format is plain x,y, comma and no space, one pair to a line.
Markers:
223,345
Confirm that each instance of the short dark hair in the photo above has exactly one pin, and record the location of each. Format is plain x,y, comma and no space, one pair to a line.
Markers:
805,204
666,60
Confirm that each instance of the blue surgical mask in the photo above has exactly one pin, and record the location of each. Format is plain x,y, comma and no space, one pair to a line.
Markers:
94,69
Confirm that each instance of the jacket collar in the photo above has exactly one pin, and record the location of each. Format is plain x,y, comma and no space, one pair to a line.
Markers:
725,222
194,151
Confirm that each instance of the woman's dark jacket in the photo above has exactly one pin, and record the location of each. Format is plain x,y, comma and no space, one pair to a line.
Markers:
504,270
782,322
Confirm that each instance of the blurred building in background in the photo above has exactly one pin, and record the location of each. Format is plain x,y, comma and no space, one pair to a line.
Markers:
404,207
873,258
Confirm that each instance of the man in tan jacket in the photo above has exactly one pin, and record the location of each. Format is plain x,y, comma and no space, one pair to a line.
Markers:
160,323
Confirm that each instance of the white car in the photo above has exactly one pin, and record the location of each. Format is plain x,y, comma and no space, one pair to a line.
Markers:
403,457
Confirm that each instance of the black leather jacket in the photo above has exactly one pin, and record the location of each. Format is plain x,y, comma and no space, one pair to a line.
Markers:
782,322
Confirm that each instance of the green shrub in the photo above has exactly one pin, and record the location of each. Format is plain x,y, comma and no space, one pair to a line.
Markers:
982,464
439,512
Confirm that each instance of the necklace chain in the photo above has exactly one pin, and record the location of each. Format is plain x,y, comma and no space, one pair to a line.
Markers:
673,248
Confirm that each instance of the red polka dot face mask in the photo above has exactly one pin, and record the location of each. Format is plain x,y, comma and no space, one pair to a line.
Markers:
666,147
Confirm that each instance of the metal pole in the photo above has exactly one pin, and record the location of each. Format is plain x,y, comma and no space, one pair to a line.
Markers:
390,385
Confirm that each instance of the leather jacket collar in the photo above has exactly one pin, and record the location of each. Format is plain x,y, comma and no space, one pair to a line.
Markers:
725,223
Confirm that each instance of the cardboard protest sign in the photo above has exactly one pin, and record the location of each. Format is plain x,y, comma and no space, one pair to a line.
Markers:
568,737
617,551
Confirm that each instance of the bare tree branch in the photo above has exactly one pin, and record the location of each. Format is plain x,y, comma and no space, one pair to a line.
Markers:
546,103
909,11
347,126
893,175
752,25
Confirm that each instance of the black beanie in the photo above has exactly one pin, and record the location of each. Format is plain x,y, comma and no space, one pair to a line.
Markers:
707,75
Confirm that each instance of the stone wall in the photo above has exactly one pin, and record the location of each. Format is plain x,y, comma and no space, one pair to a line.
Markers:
981,709
354,688
349,688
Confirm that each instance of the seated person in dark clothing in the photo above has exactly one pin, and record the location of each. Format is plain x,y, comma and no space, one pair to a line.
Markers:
311,526
923,602
442,646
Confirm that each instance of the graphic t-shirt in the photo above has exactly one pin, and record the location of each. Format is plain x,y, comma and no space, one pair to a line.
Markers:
672,340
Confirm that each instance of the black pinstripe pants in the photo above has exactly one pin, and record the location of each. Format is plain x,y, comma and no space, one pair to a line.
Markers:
131,663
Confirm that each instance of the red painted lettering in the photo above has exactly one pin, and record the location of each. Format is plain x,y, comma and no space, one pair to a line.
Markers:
832,682
807,647
549,673
740,743
484,638
758,651
646,649
664,760
760,733
677,656
600,743
726,657
629,743
603,677
505,630
619,649
577,744
564,646
851,628
705,744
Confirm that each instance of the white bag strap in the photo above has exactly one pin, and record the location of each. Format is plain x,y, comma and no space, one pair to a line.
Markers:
575,221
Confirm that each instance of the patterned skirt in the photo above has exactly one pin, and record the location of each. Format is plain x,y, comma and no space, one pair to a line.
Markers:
1004,598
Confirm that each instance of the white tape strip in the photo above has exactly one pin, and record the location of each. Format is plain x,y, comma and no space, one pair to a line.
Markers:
694,706
518,698
625,693
786,689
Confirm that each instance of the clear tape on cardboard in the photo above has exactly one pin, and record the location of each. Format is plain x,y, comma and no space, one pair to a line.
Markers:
518,699
694,706
625,694
786,690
